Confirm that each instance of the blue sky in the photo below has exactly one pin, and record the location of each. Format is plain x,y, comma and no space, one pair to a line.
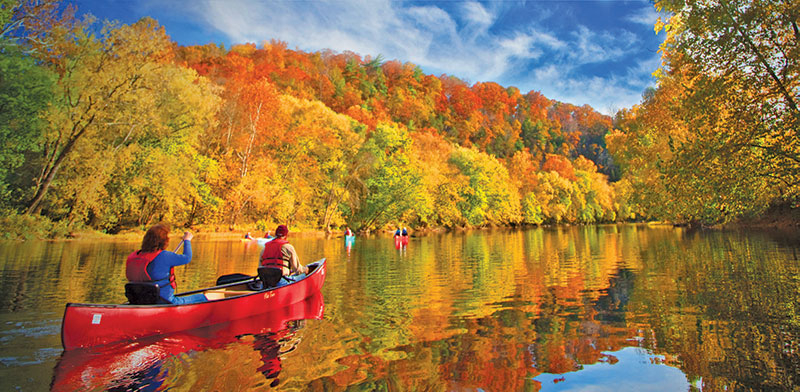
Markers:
600,53
636,369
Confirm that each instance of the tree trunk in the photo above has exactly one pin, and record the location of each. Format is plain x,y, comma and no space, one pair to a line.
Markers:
41,191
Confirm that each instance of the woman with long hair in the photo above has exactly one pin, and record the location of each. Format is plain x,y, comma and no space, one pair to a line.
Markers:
153,264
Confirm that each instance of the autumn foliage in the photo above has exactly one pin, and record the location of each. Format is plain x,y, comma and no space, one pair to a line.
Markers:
717,139
132,129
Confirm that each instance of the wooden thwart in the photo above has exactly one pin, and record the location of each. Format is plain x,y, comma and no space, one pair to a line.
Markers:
229,292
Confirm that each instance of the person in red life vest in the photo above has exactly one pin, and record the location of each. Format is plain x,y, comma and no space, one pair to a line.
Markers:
279,253
152,263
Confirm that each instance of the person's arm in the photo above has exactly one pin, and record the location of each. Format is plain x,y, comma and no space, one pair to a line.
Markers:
176,259
161,265
294,262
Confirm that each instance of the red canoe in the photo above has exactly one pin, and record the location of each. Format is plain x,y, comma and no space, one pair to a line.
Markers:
400,241
126,365
87,325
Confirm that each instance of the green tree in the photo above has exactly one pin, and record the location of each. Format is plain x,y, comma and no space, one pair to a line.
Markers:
25,93
95,77
391,186
490,197
111,93
317,153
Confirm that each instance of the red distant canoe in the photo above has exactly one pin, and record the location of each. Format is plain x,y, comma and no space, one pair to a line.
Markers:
400,241
87,325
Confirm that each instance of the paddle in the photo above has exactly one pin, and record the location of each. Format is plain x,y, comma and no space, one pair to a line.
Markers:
172,269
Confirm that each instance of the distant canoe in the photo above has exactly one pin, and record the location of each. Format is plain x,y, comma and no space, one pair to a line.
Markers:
261,240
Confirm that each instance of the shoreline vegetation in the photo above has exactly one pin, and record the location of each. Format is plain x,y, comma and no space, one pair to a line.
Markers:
108,127
782,220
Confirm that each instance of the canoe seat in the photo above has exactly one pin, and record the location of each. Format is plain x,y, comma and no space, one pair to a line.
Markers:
270,276
143,293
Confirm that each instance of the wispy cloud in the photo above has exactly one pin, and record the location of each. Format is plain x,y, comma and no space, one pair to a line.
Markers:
468,40
646,15
475,13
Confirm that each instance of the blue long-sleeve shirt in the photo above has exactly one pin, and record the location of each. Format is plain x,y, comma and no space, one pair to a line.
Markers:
159,268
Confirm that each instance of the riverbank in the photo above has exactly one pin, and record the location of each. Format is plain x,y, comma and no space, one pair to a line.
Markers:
216,232
22,227
779,217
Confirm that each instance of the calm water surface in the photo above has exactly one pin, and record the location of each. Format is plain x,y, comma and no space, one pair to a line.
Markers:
631,308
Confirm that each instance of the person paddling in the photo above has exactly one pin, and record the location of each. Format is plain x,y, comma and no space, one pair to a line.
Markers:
279,253
153,264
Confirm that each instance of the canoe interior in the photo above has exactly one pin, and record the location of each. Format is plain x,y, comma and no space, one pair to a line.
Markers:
235,289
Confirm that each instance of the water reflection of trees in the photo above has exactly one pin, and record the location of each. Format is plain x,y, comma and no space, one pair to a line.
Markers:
516,305
493,310
727,308
490,311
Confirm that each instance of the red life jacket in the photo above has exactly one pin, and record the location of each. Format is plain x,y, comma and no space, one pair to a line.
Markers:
136,269
271,256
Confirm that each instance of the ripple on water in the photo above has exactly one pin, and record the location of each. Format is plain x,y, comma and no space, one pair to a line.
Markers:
30,329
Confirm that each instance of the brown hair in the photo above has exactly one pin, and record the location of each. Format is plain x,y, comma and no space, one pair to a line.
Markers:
155,238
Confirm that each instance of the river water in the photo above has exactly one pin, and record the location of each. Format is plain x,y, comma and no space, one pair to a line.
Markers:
609,308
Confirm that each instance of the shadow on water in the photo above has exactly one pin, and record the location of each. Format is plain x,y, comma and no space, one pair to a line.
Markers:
610,306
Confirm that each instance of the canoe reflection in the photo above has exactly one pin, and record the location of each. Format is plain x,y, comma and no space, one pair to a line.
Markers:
139,365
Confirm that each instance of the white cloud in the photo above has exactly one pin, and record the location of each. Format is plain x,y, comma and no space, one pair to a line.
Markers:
647,15
477,15
591,47
432,19
520,46
548,40
606,95
641,73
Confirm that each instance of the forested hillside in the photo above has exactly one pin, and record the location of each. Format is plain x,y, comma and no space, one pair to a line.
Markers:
120,127
110,126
